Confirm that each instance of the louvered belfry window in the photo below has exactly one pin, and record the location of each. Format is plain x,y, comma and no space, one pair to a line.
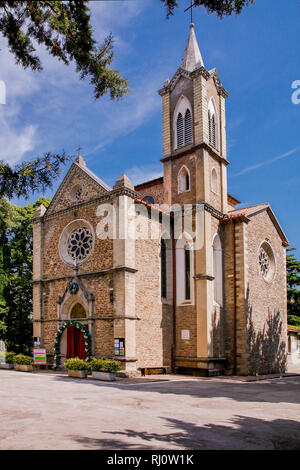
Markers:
213,125
212,128
188,127
179,130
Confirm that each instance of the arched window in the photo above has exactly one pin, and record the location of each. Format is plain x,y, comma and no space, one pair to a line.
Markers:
218,270
214,181
188,127
163,261
78,311
212,124
185,270
182,123
180,130
149,199
184,182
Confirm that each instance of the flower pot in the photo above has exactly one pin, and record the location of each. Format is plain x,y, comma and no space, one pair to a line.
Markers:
78,374
107,376
4,365
24,368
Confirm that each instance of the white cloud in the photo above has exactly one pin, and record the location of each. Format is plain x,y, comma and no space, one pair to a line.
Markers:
141,174
267,162
15,142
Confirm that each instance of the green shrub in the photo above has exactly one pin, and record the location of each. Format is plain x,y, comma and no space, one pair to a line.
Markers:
76,364
105,365
23,360
10,357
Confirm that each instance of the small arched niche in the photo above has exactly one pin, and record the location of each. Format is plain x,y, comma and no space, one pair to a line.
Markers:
214,181
184,180
77,311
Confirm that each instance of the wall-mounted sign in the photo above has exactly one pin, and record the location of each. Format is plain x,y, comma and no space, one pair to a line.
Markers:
119,347
185,334
37,342
40,356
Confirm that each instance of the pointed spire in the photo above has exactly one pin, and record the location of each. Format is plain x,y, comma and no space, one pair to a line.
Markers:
123,182
192,56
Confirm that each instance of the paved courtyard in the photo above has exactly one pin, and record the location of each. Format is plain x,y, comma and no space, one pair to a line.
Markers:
47,411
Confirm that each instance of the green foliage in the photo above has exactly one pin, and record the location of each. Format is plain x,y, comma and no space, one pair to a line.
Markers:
16,247
220,7
28,177
76,364
10,357
23,360
105,365
293,320
293,286
64,28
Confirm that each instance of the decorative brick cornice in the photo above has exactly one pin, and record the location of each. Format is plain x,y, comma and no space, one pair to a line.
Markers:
200,71
101,272
191,148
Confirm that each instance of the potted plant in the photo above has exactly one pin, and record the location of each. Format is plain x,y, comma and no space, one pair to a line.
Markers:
77,368
24,363
104,369
8,361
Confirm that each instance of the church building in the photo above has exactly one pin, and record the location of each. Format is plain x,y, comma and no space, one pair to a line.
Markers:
200,287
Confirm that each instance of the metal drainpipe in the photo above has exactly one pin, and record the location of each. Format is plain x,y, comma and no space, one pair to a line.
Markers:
234,301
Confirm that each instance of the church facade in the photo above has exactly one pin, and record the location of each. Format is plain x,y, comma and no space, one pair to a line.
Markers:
169,272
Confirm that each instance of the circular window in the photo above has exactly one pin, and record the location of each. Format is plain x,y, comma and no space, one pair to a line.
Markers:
76,193
76,242
266,262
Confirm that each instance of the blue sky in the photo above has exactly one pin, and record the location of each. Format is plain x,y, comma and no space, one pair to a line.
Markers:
257,58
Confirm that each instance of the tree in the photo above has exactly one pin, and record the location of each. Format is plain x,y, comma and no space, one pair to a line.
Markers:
38,174
65,30
220,7
293,285
16,270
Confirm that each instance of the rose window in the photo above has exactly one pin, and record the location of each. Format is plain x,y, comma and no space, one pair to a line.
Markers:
264,262
80,244
78,194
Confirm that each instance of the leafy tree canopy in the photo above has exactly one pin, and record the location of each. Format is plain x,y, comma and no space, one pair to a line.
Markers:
16,248
220,7
293,287
64,28
28,177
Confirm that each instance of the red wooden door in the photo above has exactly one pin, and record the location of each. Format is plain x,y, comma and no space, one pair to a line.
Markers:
75,343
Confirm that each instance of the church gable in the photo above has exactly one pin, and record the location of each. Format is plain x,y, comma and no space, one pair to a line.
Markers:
79,185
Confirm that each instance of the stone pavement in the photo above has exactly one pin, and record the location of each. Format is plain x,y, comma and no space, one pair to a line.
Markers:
51,411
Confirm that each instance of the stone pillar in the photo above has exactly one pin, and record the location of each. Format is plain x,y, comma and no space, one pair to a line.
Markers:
166,124
124,277
38,270
201,133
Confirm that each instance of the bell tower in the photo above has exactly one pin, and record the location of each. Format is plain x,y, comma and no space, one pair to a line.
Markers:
194,132
195,173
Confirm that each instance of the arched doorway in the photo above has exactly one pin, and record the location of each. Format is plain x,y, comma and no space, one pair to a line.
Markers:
75,338
75,343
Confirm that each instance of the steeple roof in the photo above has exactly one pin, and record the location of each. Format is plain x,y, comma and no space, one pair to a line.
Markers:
192,56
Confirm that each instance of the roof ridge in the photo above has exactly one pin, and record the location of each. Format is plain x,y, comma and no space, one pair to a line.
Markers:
250,207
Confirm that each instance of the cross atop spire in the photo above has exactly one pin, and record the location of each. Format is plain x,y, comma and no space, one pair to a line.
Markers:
192,56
